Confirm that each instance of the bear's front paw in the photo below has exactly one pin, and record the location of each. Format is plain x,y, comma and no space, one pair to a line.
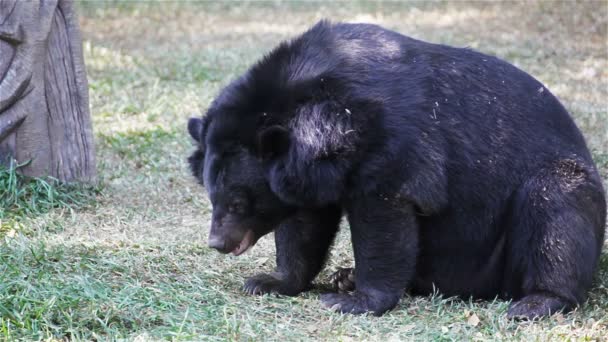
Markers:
263,284
359,303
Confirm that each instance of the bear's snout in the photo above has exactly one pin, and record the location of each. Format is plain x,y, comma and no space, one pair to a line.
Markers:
216,242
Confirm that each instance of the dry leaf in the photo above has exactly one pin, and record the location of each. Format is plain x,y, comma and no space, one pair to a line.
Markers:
261,261
473,320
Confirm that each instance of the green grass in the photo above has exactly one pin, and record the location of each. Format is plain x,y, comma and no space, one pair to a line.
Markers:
22,196
87,292
128,259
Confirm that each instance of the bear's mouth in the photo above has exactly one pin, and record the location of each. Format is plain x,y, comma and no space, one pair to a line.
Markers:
247,241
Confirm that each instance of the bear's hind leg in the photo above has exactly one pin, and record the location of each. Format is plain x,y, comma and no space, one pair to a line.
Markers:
556,231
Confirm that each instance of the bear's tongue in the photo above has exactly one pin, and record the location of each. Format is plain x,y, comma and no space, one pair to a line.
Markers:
244,244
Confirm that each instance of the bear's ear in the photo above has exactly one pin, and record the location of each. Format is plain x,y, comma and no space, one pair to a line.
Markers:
272,141
195,128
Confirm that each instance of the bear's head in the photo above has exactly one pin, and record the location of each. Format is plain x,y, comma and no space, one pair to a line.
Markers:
244,207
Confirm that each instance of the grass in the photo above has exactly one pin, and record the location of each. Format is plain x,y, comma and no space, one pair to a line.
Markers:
21,196
128,259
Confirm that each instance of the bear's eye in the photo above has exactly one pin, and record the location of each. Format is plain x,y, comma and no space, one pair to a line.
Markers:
231,150
237,207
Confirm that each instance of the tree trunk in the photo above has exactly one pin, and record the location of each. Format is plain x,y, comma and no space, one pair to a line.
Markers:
44,102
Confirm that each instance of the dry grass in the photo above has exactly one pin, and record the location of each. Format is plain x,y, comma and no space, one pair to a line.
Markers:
135,265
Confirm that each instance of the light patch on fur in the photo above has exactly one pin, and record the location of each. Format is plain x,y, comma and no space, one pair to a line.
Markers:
322,130
357,49
570,173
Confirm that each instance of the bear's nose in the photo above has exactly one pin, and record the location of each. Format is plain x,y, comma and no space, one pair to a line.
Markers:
217,243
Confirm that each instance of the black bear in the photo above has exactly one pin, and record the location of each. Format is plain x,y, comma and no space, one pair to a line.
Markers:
456,171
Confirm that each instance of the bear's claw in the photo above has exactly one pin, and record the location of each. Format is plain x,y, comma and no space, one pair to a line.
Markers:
343,280
263,284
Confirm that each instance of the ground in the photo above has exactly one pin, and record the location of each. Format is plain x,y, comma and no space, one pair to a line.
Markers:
128,259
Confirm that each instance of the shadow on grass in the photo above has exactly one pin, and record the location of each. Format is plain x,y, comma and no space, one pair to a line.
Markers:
107,292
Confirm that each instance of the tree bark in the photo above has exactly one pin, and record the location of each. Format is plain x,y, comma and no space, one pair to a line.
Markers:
44,106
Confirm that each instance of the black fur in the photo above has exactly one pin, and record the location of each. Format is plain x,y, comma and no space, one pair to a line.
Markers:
456,170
